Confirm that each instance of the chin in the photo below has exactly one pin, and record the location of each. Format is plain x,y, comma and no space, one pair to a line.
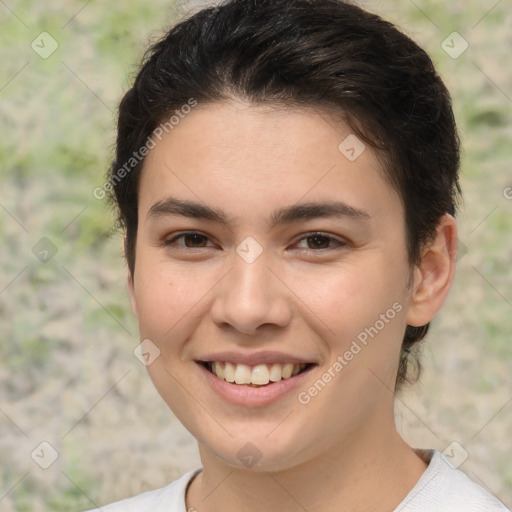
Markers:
256,451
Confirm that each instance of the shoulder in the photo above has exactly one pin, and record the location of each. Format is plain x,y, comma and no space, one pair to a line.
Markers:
170,497
443,488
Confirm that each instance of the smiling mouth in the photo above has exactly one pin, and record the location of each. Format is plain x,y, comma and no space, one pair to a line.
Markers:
259,375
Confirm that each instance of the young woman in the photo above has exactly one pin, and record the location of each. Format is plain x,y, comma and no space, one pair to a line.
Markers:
287,175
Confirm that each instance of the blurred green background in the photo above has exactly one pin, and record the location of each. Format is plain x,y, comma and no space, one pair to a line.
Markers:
68,375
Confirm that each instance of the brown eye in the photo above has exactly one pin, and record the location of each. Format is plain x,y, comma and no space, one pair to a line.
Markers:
194,240
320,241
191,240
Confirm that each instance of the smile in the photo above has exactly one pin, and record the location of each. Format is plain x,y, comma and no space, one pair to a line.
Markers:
259,375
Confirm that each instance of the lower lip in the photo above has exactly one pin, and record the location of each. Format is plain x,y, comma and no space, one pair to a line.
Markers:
252,396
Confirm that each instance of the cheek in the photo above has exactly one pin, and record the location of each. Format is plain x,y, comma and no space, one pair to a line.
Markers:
364,309
173,302
351,299
165,299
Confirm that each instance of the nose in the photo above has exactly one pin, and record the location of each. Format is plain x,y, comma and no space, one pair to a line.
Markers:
251,297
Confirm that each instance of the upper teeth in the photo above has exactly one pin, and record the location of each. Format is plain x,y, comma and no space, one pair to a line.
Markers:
260,374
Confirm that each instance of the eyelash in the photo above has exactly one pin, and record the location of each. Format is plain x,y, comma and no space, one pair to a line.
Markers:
339,243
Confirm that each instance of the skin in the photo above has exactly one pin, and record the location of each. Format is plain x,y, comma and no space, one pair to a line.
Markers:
294,298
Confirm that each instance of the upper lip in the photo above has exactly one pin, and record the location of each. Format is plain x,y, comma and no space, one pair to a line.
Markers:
254,358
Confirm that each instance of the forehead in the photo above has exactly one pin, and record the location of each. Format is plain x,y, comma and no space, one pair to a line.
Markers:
249,157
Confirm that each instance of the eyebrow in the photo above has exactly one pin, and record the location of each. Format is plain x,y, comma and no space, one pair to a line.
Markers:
284,215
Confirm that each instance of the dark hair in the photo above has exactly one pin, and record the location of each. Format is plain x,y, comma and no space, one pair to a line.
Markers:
322,53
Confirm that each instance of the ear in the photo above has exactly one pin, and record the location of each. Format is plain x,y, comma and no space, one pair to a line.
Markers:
131,291
434,275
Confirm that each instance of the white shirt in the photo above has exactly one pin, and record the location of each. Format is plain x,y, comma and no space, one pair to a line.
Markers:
441,488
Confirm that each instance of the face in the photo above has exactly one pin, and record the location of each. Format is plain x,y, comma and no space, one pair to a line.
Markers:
268,256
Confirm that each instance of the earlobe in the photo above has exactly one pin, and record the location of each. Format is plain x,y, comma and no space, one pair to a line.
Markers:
434,275
131,291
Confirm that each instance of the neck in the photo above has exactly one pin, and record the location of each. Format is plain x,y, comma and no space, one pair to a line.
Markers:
366,472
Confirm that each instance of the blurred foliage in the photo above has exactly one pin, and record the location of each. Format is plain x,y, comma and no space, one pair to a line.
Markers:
58,129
